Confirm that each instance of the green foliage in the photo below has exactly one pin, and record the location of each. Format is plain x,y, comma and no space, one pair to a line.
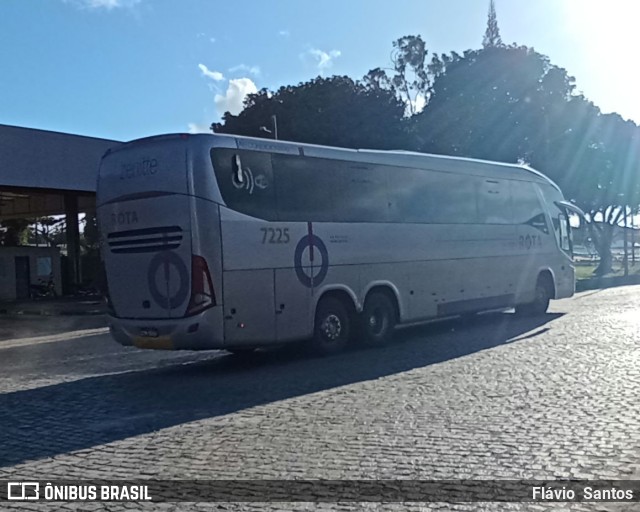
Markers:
333,111
49,231
511,104
492,104
14,232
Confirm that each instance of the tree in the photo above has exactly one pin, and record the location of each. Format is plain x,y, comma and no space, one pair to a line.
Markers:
491,103
603,178
412,73
511,104
90,237
50,230
492,34
14,232
334,111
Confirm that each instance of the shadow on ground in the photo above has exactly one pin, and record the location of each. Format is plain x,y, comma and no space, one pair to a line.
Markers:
13,327
61,418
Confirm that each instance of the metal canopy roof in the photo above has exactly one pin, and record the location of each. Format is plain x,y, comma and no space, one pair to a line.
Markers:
38,167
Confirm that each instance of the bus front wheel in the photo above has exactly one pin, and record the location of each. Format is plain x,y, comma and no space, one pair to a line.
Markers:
332,326
378,320
540,302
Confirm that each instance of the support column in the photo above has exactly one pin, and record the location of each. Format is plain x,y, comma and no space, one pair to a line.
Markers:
73,238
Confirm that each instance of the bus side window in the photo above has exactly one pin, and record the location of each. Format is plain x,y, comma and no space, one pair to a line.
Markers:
305,188
423,196
361,193
494,202
559,218
526,206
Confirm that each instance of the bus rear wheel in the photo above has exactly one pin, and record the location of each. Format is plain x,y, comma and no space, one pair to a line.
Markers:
378,320
332,326
540,304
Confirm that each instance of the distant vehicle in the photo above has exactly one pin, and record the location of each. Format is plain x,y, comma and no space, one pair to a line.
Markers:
214,241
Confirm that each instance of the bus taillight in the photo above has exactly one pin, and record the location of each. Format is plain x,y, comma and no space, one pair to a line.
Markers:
202,292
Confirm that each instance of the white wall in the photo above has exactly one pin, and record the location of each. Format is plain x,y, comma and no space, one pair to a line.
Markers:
8,268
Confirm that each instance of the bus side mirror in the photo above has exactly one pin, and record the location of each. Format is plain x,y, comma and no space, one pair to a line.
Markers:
566,205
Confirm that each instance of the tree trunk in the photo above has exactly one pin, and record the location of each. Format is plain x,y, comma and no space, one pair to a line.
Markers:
602,241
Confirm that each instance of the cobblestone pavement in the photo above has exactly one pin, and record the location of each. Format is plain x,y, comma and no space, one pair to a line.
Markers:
497,397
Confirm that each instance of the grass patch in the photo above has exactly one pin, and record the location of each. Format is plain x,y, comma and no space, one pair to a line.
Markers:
584,270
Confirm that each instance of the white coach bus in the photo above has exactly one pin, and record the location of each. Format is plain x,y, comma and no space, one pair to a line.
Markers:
217,241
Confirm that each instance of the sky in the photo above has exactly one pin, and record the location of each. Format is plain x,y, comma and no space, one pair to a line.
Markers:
123,69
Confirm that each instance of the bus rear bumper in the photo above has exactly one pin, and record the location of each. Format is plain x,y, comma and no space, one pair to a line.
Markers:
203,331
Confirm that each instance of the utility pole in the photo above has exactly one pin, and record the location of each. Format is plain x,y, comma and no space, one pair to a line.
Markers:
633,241
626,248
274,130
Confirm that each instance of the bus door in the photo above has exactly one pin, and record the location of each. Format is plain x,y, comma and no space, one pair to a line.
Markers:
565,237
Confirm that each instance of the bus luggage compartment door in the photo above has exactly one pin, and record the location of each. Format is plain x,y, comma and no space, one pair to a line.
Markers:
294,317
249,314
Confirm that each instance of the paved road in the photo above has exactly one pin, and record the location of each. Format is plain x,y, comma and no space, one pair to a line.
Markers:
499,397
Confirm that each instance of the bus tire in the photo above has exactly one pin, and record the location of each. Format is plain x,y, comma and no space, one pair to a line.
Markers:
332,326
540,304
378,320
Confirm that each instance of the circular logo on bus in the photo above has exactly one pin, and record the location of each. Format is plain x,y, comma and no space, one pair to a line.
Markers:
168,279
311,261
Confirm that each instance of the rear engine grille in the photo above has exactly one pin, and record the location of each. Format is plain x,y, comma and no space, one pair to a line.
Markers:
145,240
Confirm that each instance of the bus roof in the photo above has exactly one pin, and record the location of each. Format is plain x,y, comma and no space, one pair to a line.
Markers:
400,158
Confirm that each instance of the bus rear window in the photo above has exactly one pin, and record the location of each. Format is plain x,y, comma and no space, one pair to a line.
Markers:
245,179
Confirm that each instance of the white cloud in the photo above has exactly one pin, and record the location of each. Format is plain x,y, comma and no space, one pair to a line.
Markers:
254,70
323,60
214,75
202,35
284,33
199,128
102,4
233,99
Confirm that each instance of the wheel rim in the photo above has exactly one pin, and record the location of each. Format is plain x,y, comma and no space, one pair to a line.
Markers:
377,322
331,327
